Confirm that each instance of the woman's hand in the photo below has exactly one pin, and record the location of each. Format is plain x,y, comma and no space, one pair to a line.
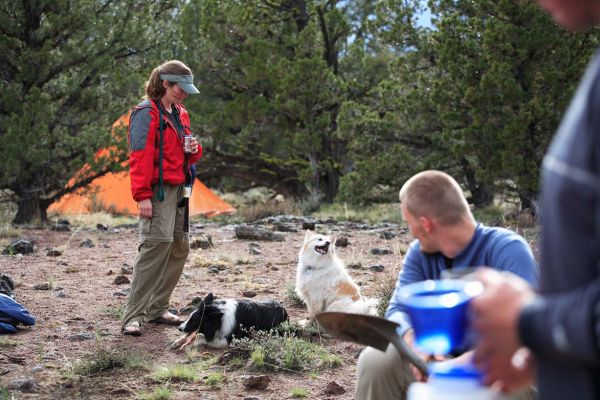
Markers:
194,145
145,206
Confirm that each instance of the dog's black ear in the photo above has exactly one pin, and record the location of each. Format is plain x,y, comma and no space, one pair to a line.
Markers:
209,299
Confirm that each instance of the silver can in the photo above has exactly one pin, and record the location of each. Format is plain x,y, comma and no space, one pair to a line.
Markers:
187,144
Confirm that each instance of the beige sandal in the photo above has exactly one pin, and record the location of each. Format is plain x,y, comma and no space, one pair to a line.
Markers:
167,318
133,328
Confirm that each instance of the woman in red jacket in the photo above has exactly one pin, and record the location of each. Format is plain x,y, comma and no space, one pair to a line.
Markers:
162,153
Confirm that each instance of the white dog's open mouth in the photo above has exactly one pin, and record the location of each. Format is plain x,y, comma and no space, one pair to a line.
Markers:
322,249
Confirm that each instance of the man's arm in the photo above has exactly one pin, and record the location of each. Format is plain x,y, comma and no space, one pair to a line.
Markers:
412,271
564,326
515,255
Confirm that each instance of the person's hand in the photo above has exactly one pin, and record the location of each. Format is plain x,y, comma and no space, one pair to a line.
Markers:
495,315
145,207
194,145
409,339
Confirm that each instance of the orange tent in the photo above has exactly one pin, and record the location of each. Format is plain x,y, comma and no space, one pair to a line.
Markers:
112,192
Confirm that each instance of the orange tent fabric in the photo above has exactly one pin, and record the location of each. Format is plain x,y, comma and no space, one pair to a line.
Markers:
112,192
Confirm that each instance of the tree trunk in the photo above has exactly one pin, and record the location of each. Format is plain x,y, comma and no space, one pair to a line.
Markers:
30,209
482,194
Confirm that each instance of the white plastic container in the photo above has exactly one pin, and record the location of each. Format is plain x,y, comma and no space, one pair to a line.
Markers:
453,383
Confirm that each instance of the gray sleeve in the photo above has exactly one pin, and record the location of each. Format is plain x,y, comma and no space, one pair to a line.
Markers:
565,326
139,127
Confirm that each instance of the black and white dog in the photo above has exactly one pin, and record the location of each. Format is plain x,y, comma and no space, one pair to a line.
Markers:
220,320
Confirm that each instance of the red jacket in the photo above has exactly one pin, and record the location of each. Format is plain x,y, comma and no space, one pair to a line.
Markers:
144,149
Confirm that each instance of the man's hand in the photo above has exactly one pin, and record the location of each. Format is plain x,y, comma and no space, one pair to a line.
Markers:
495,317
409,339
145,207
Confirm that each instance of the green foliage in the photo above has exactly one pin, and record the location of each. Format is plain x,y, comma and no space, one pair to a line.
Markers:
162,393
479,96
292,297
105,360
372,214
176,373
279,71
116,312
214,379
8,342
287,351
69,70
299,392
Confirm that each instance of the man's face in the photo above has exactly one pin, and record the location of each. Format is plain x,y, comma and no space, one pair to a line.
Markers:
418,230
573,14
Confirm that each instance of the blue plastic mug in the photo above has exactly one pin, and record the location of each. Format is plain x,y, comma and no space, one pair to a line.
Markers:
438,310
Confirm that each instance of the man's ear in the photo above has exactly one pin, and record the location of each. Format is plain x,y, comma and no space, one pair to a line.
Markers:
426,223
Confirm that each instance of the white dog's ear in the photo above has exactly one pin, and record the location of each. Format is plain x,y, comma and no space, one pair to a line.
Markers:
308,235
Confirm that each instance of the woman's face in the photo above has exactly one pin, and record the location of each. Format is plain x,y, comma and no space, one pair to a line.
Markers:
174,93
573,14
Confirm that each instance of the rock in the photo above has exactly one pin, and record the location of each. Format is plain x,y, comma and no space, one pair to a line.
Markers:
387,235
61,227
334,388
354,265
60,294
42,286
7,285
246,232
254,251
376,268
202,242
80,337
121,280
342,242
28,385
122,293
126,270
19,246
248,293
307,225
260,382
279,227
380,252
215,269
54,253
101,227
87,243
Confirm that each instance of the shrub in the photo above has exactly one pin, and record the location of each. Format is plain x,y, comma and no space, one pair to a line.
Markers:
176,373
105,360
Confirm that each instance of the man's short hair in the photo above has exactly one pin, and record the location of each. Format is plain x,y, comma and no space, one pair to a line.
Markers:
437,195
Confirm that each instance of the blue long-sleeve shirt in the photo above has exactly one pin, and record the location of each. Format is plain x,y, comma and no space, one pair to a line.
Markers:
498,248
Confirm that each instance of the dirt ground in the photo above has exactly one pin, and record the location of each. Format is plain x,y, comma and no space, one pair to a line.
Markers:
77,312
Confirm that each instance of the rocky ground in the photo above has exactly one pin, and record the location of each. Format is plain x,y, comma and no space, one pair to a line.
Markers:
75,284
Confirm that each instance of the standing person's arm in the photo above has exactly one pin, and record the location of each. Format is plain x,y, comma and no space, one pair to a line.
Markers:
143,125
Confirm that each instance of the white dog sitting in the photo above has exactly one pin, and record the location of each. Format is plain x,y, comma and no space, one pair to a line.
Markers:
323,283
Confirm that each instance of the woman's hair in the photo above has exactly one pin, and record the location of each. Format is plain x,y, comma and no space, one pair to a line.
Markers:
435,194
154,87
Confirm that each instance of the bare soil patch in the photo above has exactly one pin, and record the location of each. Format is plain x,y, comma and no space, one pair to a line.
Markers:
77,316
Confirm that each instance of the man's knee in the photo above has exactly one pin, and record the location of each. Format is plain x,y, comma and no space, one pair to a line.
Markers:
371,363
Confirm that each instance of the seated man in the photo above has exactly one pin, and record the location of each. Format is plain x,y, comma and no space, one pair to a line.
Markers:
447,238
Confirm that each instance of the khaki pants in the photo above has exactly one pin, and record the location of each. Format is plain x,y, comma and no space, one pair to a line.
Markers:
386,376
162,252
382,376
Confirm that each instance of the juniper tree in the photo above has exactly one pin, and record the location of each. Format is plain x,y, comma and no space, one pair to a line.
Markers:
68,70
